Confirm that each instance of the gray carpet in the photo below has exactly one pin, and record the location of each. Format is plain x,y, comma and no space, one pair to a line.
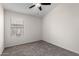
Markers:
39,48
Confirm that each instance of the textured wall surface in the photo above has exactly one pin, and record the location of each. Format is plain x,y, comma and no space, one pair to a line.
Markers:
32,29
1,29
61,27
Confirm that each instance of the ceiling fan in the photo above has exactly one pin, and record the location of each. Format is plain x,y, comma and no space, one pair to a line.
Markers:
39,5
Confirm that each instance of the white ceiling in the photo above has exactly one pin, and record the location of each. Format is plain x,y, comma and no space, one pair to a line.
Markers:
24,8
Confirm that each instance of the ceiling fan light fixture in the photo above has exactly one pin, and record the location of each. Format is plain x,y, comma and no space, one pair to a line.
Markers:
38,5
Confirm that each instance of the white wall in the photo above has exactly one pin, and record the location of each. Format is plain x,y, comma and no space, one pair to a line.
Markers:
61,27
32,29
1,29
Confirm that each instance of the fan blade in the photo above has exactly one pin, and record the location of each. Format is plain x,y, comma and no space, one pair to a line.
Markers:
45,3
40,8
32,6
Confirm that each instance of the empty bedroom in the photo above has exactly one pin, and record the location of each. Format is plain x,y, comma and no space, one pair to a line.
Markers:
39,29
